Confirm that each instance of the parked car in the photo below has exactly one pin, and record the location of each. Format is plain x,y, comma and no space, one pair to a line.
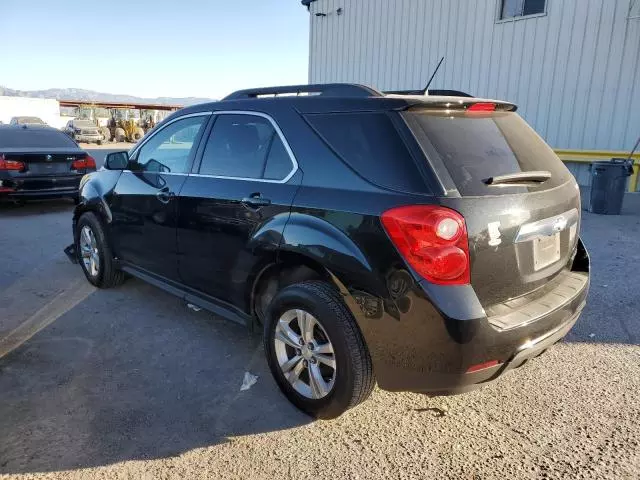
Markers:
40,162
84,131
26,121
428,243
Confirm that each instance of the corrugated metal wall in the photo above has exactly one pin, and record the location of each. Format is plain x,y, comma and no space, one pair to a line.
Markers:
573,72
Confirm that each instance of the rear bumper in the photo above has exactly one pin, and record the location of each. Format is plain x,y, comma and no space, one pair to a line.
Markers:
40,187
428,345
40,194
530,349
88,138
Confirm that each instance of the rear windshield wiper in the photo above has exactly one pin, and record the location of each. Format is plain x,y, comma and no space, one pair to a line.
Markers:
519,177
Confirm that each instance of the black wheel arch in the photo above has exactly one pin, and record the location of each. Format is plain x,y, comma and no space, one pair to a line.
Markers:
311,248
289,268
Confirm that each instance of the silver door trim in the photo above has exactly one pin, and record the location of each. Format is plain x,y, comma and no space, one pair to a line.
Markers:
276,127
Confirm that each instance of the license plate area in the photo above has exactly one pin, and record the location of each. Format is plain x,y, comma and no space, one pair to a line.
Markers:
42,168
546,251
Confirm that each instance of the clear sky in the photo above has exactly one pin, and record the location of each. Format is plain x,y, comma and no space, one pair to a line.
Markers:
151,48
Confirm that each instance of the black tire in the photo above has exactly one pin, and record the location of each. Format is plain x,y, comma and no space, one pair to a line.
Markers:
354,377
76,199
108,275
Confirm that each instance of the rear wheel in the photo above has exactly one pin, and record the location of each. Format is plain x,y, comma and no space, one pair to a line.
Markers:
94,253
315,350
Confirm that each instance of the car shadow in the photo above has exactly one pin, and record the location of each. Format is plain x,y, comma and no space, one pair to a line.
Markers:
35,207
129,374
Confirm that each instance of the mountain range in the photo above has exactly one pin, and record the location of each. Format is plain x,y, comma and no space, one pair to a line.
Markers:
90,95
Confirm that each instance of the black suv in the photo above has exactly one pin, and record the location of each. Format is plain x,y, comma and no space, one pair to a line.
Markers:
425,243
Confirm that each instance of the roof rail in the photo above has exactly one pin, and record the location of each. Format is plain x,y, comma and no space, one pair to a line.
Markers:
442,93
325,89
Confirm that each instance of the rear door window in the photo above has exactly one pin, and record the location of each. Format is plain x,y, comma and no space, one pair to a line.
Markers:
246,147
370,144
477,146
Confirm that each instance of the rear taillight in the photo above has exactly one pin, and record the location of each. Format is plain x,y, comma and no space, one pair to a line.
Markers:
433,240
11,164
84,163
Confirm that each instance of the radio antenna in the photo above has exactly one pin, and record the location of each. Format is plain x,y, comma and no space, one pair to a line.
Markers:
434,74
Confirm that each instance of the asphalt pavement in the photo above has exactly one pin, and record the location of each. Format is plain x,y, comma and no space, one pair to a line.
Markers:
130,383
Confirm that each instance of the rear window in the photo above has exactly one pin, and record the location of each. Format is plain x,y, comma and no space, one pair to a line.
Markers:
370,144
474,147
19,137
84,124
28,120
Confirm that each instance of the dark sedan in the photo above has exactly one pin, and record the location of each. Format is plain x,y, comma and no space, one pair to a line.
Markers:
40,162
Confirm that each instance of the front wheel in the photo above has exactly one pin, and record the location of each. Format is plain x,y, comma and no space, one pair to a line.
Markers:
94,253
315,350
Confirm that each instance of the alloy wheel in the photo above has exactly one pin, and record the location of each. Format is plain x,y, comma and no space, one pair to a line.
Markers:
89,251
305,354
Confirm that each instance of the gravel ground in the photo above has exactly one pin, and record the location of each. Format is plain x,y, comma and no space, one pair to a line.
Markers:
129,383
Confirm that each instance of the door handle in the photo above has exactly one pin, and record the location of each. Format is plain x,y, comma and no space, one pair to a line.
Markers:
255,200
165,195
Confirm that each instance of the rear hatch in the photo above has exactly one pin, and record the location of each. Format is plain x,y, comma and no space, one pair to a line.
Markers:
520,203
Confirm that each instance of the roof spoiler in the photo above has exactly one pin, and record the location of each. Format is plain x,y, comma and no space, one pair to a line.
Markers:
324,89
439,93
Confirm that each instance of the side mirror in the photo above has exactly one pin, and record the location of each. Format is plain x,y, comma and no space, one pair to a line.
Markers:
116,161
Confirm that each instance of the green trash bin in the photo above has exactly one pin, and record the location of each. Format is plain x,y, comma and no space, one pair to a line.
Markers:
608,185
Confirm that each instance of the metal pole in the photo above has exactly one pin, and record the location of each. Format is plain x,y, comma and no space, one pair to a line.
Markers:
635,147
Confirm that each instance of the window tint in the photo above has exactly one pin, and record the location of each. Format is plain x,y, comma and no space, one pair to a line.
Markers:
370,144
278,161
245,146
520,8
476,147
170,148
34,137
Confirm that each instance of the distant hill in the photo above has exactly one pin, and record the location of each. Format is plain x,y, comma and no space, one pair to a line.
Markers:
90,95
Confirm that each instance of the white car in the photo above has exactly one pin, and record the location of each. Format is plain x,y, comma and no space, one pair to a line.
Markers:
84,131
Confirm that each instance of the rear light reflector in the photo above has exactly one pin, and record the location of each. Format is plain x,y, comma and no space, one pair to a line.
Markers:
11,164
482,366
86,162
433,240
482,107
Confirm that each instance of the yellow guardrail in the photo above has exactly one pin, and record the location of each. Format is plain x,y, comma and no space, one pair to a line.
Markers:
590,156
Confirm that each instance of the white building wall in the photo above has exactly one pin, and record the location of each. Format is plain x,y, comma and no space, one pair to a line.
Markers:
46,109
573,71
